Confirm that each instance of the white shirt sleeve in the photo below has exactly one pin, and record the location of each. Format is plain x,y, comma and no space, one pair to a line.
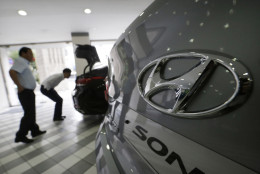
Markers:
52,81
19,66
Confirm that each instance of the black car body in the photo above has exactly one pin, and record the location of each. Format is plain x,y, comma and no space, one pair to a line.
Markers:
88,95
183,91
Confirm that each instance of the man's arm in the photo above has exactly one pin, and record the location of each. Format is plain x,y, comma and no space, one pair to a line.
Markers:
14,77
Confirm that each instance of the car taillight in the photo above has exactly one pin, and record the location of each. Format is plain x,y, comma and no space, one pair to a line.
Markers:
83,81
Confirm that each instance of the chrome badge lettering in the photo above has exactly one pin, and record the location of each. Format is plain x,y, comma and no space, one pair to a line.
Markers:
171,157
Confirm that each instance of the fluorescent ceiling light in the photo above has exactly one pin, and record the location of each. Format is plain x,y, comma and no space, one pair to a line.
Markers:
22,12
87,11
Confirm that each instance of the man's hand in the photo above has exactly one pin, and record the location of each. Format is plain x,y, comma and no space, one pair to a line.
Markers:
20,89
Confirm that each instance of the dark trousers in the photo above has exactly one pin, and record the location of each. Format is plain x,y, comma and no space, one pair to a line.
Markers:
53,95
28,121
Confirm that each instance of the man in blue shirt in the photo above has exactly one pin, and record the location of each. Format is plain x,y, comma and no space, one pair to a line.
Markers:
22,76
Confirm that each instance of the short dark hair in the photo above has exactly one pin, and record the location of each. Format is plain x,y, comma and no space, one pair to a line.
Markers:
66,70
23,50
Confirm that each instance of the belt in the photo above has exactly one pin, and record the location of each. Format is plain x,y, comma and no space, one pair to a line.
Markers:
28,89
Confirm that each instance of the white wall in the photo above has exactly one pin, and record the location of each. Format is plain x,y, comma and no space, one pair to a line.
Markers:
82,39
103,50
4,103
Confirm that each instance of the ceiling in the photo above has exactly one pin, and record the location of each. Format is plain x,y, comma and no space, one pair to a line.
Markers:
55,20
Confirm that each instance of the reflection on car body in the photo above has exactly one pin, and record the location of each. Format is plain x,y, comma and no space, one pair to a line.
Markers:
182,91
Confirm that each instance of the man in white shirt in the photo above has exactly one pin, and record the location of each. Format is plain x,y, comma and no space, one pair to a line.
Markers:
47,89
23,78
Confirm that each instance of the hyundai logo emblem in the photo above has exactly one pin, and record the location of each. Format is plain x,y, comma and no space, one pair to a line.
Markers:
188,83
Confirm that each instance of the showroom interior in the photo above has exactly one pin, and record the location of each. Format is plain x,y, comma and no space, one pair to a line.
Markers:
53,29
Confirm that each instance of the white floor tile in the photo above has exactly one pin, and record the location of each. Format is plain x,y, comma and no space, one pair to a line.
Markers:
83,152
5,148
53,151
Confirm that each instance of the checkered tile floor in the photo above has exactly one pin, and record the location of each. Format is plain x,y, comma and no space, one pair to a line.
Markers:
68,147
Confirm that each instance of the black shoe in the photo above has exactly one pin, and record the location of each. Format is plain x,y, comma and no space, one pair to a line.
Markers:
59,118
23,140
35,134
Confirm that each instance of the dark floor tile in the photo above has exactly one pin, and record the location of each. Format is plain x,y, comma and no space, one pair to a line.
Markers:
64,138
2,169
80,167
74,148
61,156
13,163
66,152
21,146
91,158
30,171
45,165
32,154
67,172
37,152
88,139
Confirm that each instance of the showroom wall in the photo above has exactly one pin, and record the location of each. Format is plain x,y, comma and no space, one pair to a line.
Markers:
3,92
79,38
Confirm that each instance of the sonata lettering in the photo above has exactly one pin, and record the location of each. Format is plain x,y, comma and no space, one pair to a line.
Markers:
171,157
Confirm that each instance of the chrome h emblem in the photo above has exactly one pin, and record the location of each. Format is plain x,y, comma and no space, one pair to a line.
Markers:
188,83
